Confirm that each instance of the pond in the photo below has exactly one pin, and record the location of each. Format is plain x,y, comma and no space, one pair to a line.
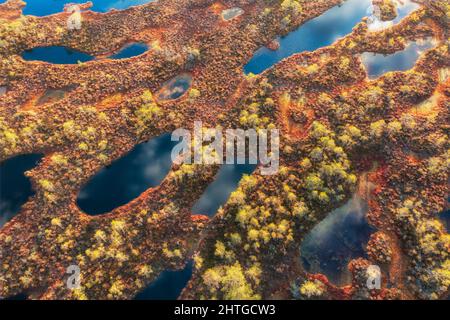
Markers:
339,238
46,7
170,283
64,55
131,50
167,286
445,219
174,88
323,31
314,34
404,8
15,187
220,189
378,64
145,166
57,55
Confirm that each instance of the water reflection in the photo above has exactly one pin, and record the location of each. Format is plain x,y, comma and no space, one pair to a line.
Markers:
167,286
339,238
131,50
378,64
46,7
64,55
445,219
15,187
316,33
219,191
174,88
56,54
404,8
126,178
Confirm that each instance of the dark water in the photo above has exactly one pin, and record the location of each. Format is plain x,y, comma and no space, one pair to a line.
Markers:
56,54
126,178
15,188
20,296
46,7
445,219
167,286
170,283
131,50
219,191
174,88
339,238
314,34
63,55
378,64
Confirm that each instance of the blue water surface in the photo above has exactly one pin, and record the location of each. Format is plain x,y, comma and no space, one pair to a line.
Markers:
125,179
15,187
337,239
314,34
131,50
167,286
46,7
324,31
219,190
175,87
63,55
378,64
56,54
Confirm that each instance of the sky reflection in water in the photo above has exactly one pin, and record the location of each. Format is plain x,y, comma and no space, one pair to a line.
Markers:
337,239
